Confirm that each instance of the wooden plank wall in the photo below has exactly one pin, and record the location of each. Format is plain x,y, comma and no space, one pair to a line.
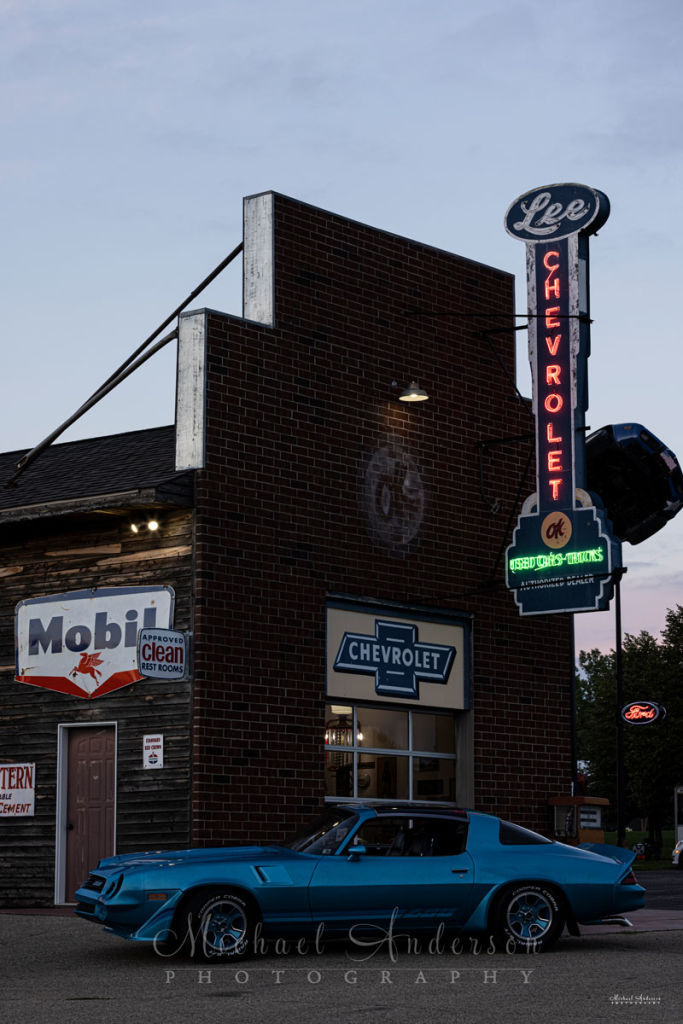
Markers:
153,807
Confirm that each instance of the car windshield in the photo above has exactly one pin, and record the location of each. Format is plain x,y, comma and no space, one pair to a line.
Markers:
324,835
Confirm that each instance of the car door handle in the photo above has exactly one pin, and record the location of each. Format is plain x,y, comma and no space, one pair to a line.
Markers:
459,871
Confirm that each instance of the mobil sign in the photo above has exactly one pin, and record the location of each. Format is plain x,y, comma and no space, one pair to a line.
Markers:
84,643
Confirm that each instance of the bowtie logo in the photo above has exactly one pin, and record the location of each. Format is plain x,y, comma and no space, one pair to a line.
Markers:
396,658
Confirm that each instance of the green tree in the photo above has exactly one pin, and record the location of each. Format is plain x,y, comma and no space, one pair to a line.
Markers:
652,670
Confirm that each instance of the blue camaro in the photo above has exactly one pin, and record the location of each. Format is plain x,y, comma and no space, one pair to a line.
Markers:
360,867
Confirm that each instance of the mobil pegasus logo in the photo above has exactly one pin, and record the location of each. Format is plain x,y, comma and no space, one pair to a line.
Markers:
84,643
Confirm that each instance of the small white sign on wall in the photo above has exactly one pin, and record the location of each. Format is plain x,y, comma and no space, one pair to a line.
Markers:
153,751
17,790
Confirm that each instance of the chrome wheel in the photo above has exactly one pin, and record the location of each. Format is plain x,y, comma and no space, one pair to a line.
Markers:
528,918
224,928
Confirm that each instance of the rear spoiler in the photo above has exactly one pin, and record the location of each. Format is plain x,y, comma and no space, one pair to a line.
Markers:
615,853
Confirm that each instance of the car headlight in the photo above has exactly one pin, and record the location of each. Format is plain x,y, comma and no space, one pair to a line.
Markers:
113,887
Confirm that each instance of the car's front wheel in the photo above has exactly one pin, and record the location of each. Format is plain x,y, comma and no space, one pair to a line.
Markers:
223,926
527,918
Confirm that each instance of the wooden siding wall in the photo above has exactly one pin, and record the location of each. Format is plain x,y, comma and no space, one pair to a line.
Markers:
152,806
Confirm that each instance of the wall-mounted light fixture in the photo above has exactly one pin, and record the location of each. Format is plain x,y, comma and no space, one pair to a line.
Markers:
152,525
413,393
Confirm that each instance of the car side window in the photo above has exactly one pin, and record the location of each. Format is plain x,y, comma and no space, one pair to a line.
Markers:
515,835
379,835
412,837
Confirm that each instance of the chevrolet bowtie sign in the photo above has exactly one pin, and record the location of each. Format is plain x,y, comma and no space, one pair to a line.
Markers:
395,657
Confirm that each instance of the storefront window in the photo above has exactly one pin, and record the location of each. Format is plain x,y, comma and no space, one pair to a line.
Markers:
433,733
383,728
383,777
338,774
433,778
384,753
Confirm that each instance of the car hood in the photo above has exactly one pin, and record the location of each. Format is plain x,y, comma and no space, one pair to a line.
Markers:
158,858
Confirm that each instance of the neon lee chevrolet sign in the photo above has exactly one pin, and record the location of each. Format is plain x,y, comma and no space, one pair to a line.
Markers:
562,539
554,222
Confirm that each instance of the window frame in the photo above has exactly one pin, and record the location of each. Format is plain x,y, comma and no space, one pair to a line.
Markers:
355,750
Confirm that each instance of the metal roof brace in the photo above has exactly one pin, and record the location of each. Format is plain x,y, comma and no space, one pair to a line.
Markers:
125,369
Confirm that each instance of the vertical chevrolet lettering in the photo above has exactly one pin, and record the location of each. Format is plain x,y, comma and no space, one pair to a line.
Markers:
563,552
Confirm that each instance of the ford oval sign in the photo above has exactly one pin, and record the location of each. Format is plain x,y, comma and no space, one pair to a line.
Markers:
556,211
643,712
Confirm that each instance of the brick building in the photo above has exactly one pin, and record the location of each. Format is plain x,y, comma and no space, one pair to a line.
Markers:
336,554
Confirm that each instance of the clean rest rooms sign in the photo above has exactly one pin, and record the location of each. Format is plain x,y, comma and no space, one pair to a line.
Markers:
390,658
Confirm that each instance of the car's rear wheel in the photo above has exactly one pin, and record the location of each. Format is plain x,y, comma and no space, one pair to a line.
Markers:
527,918
223,926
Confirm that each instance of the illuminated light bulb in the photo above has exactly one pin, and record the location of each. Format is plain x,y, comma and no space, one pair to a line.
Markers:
413,393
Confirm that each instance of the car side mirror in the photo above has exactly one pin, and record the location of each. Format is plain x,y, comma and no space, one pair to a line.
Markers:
355,852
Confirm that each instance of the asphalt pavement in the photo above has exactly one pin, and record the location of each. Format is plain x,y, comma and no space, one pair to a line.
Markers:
57,966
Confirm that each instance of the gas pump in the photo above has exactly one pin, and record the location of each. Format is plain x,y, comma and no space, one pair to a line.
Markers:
580,819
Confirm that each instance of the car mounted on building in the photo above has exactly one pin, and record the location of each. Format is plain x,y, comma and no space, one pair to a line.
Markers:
637,477
359,867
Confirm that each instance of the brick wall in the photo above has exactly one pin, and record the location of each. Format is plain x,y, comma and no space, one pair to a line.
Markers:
294,414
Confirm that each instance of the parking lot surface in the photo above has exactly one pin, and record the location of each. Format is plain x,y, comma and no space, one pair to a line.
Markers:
60,967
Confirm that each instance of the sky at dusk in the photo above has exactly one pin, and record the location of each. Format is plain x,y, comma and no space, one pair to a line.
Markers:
132,130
